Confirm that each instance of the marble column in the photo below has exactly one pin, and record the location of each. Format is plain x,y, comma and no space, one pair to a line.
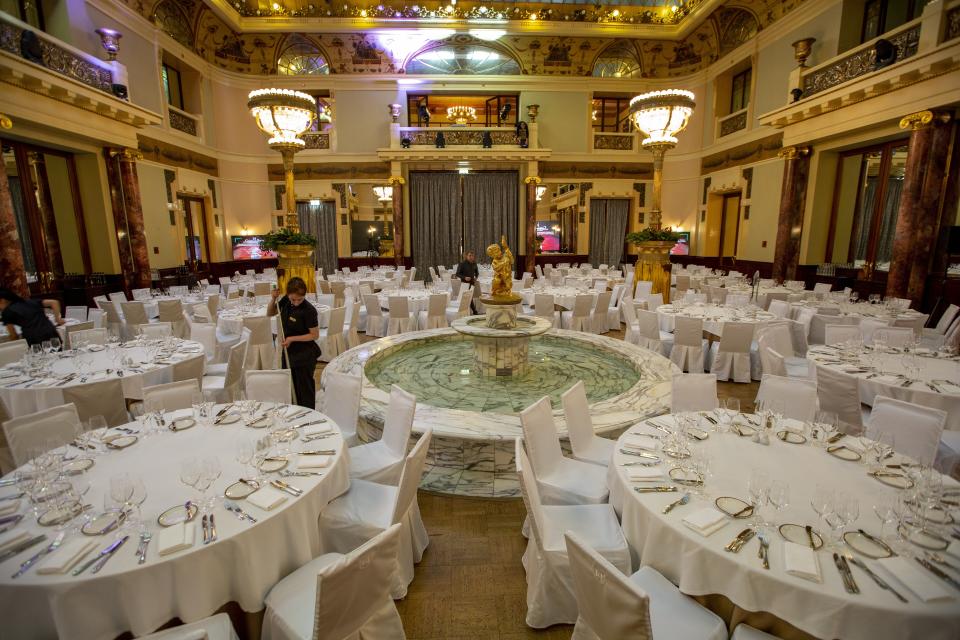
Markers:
397,183
12,271
530,256
48,218
793,196
918,221
128,216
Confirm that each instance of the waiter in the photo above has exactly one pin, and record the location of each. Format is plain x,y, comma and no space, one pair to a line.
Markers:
298,319
468,272
30,316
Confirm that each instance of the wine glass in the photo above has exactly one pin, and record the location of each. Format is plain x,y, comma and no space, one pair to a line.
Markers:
822,501
55,345
779,495
244,453
137,498
829,422
885,508
758,489
210,471
190,472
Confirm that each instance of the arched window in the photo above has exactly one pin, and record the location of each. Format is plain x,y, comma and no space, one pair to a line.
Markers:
174,23
619,60
300,57
463,60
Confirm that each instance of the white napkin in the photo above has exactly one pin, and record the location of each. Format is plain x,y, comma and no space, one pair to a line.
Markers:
639,442
706,521
63,559
915,578
9,506
954,548
266,498
319,430
801,561
176,537
11,539
312,462
645,473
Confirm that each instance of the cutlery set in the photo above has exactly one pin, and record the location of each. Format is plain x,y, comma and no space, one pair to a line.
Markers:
764,551
845,574
234,508
283,486
145,538
99,560
737,543
209,527
25,566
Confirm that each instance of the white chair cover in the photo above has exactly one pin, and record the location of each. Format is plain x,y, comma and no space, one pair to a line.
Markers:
95,316
376,321
400,318
840,393
205,334
155,330
134,313
600,316
341,402
731,356
172,395
580,318
780,308
820,320
331,339
86,336
435,315
382,461
261,352
869,326
172,311
688,344
544,306
799,396
895,336
76,313
350,336
837,333
226,386
916,429
693,392
269,386
48,428
103,398
216,627
11,352
586,445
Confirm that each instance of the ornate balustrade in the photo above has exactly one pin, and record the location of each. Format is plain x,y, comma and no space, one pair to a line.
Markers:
612,141
736,121
184,122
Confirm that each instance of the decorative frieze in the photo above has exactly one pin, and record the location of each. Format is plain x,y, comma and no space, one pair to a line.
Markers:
427,137
183,122
613,141
733,123
743,154
316,140
172,155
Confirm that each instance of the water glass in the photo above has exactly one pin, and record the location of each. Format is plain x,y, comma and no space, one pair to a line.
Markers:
885,508
758,489
189,472
779,495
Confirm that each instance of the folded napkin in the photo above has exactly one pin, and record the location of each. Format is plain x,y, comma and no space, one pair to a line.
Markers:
266,498
9,506
312,461
63,559
706,521
915,578
645,473
11,539
954,548
319,430
801,561
639,442
176,537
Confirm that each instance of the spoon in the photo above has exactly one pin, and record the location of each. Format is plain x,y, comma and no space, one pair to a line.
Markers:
677,503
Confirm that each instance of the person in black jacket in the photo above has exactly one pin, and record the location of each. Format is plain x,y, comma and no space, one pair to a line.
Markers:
468,272
30,316
301,328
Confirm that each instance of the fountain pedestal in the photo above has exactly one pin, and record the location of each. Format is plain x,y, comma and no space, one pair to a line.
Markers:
501,352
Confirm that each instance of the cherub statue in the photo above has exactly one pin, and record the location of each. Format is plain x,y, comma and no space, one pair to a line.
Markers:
502,286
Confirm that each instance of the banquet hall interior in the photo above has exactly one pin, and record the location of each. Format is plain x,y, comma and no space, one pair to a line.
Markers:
486,319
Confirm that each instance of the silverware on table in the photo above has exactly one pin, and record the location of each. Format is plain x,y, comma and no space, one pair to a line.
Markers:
742,538
656,489
145,538
113,546
110,554
809,530
849,584
22,546
25,566
877,579
310,424
213,529
764,551
203,525
12,496
232,506
299,474
684,499
938,572
640,454
283,486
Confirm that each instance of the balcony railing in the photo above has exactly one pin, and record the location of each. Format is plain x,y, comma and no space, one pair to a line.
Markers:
459,136
183,121
316,139
612,141
736,121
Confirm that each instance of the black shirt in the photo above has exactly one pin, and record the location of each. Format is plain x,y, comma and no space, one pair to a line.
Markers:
297,321
467,269
35,326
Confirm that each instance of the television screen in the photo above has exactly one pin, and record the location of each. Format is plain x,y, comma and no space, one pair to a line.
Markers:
551,240
248,248
682,248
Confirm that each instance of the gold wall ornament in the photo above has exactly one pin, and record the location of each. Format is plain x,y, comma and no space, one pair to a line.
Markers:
532,111
923,119
533,179
396,180
130,155
802,50
5,122
794,152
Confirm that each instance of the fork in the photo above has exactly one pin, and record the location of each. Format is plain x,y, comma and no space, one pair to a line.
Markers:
764,548
145,538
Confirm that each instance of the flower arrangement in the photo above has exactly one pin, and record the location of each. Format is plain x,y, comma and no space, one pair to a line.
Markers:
284,237
653,235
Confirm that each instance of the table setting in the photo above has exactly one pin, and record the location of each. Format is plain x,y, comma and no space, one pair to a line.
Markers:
36,381
838,536
563,296
165,517
417,299
713,315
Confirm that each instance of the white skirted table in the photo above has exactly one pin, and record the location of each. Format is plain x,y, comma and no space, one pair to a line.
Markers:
714,316
241,566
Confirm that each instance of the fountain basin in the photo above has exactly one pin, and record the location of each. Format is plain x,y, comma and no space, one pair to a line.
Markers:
501,348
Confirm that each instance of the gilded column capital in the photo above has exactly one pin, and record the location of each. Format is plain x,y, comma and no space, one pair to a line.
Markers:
533,179
923,119
130,155
792,153
395,180
5,122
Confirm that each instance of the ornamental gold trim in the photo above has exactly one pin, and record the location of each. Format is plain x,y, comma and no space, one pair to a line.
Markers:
396,180
918,120
5,122
792,153
532,179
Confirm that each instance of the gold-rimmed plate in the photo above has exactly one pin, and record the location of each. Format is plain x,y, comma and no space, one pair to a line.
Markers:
78,466
843,452
182,424
798,534
734,507
936,515
868,546
791,437
686,477
59,514
103,523
271,465
892,479
743,430
119,441
241,489
260,423
924,539
175,515
229,418
678,454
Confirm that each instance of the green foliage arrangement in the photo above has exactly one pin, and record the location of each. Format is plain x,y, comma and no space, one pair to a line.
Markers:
653,235
283,237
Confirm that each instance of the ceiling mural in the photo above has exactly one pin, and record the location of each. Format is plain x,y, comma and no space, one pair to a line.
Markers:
195,25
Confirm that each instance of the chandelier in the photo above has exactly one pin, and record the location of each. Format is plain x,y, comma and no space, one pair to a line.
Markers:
461,113
661,115
384,194
282,114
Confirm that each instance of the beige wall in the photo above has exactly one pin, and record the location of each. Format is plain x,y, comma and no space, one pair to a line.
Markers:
163,239
362,120
564,120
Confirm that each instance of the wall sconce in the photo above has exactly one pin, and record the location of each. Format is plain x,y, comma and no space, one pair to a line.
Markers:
244,231
394,110
110,40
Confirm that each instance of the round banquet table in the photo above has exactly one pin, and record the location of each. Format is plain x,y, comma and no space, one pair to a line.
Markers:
562,296
863,310
241,566
884,374
713,315
762,293
417,299
230,321
701,567
23,395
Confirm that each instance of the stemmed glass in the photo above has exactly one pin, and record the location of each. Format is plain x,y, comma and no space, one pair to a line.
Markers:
822,501
209,472
244,455
885,508
137,499
120,493
846,510
190,472
829,422
758,490
779,495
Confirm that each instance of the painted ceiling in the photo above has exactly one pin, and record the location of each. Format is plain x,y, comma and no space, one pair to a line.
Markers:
384,51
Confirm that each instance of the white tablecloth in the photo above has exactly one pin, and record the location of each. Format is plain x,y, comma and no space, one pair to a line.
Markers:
417,299
863,310
940,372
714,316
21,400
562,296
700,566
242,566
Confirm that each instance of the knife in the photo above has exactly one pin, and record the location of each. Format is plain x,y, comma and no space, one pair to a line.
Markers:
22,546
658,489
33,560
734,545
285,487
639,454
849,574
12,496
109,555
308,424
939,573
89,563
684,500
877,579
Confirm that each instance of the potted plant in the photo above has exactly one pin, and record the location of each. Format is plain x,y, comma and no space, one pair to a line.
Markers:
284,238
653,259
294,249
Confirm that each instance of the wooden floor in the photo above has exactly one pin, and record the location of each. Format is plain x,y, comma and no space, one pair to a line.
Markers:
470,583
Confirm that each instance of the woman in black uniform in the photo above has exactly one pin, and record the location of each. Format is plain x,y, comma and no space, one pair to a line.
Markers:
300,329
30,316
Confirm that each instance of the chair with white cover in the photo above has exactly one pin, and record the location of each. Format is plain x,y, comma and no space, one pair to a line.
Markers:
600,316
339,596
738,299
369,507
71,330
798,395
544,306
822,287
837,333
205,334
226,386
644,288
804,316
76,313
693,392
102,398
117,296
651,336
580,318
688,344
400,318
435,315
839,393
869,326
916,429
112,313
614,605
154,330
461,307
382,460
134,313
13,351
550,595
717,295
946,319
96,317
779,308
775,346
331,340
269,386
350,336
341,403
561,480
376,321
172,311
897,337
50,427
587,446
261,351
86,336
819,322
216,627
614,316
730,357
172,396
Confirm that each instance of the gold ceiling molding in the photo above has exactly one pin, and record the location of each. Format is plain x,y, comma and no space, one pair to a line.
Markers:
596,170
379,52
331,171
750,152
174,156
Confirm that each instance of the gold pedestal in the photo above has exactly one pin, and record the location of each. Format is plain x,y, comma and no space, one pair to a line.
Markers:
295,262
653,265
386,248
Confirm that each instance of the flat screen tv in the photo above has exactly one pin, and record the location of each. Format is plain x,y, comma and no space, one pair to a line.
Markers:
248,248
551,241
